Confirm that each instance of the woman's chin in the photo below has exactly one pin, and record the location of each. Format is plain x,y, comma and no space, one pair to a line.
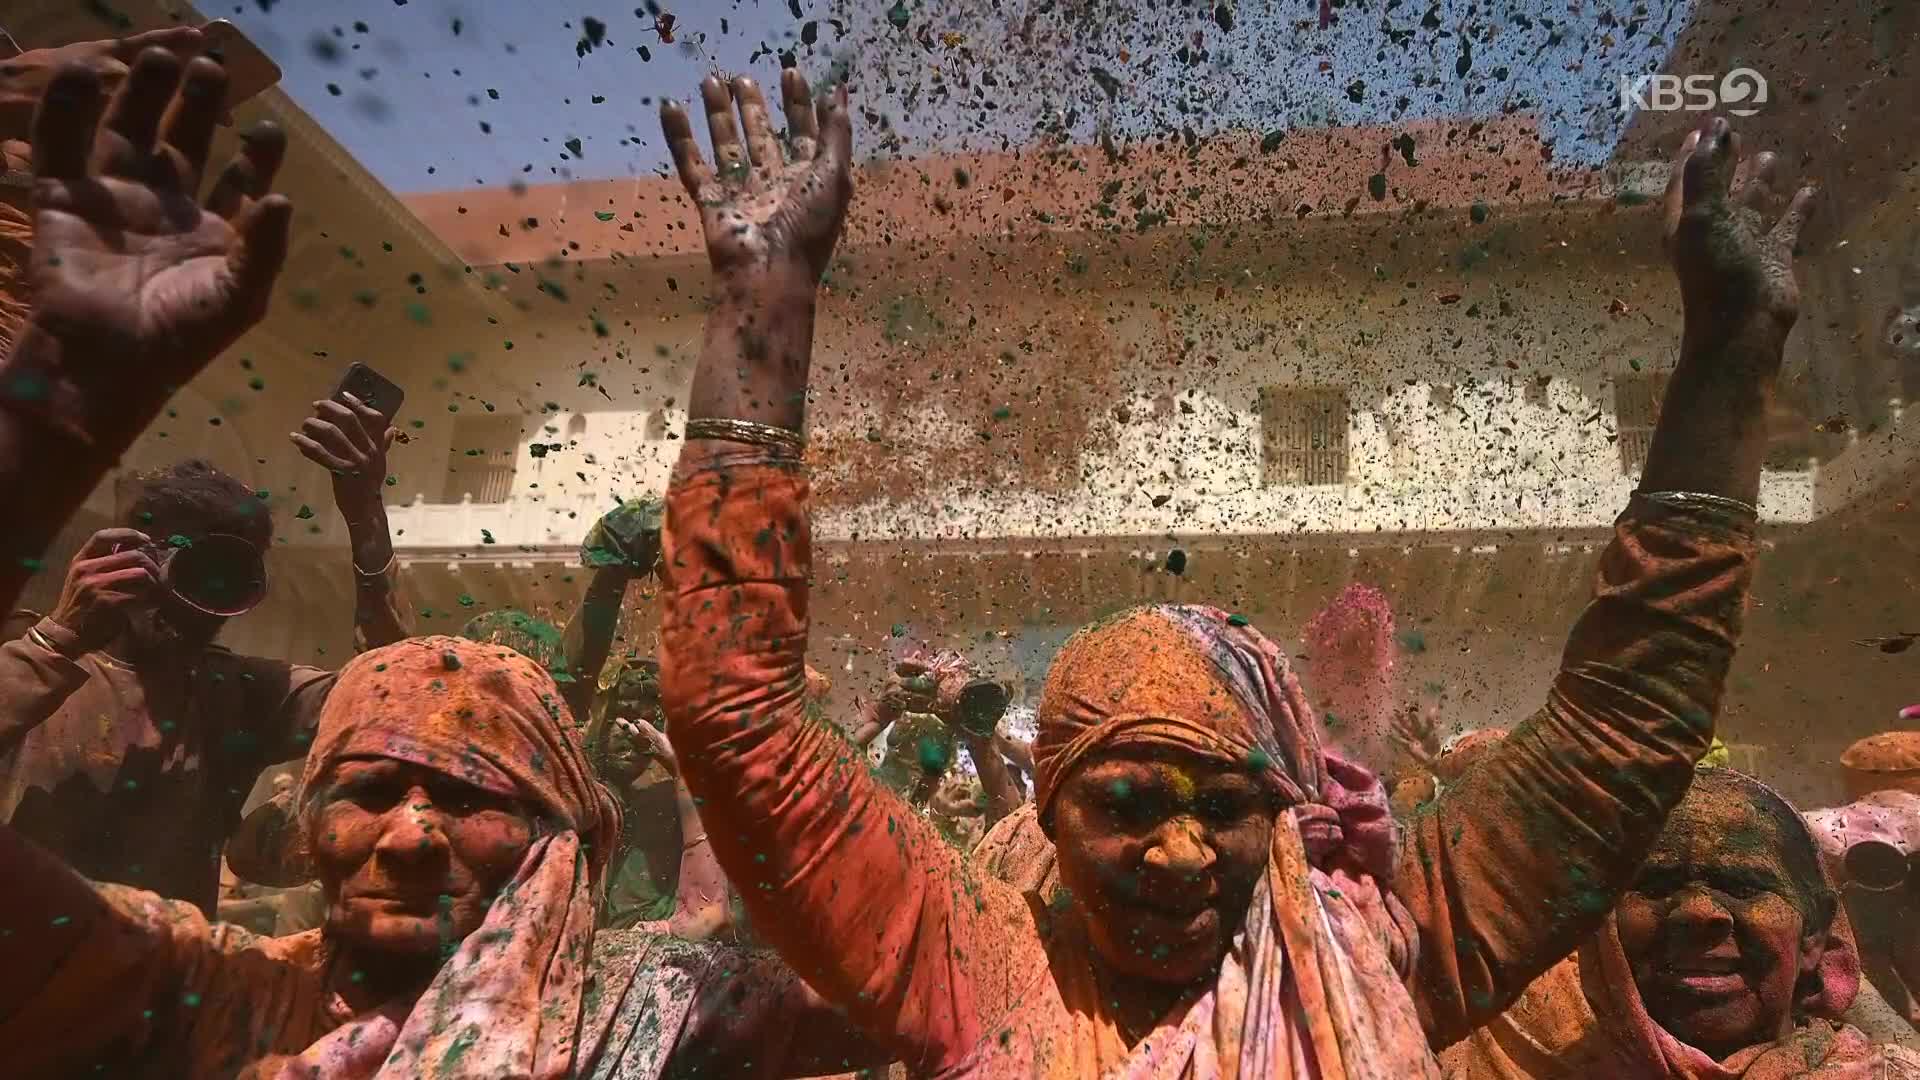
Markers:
392,933
1166,953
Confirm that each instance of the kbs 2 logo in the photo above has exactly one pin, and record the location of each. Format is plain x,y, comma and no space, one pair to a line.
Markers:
1741,92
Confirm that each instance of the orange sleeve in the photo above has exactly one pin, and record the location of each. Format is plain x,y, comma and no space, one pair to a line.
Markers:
1516,865
101,976
857,891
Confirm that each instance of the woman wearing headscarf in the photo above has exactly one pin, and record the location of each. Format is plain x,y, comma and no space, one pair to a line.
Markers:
1233,906
1728,957
461,839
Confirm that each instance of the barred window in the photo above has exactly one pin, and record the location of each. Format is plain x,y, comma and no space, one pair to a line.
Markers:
481,457
1303,435
1636,407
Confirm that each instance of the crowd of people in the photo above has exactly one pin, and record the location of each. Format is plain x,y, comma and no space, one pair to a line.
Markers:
531,850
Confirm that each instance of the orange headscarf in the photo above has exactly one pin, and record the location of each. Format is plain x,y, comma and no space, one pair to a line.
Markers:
1200,680
1313,985
508,1002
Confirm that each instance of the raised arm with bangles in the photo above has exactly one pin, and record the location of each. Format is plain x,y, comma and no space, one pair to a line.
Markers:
1233,904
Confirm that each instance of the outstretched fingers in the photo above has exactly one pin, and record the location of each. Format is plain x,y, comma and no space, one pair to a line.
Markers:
259,250
835,155
1675,201
763,146
1787,230
803,127
250,174
135,114
685,148
729,155
195,113
64,125
1754,178
1710,169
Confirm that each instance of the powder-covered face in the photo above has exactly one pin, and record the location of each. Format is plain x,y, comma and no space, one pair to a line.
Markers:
1161,852
624,759
1714,927
410,859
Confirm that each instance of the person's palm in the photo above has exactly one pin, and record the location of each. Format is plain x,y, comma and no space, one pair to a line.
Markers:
130,271
760,208
1734,266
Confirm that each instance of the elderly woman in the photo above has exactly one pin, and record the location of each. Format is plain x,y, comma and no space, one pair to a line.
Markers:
460,837
1729,956
1233,904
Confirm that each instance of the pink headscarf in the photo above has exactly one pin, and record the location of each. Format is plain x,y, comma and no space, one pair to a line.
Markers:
1314,984
509,1000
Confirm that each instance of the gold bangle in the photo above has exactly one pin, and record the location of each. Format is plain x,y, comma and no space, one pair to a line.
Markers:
746,431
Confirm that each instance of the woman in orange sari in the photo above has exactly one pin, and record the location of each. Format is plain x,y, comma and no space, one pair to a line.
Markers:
1728,957
1233,905
460,837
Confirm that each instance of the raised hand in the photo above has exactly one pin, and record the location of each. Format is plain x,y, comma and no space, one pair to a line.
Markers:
1735,264
349,439
131,275
1416,735
111,572
765,212
25,77
651,742
911,688
627,535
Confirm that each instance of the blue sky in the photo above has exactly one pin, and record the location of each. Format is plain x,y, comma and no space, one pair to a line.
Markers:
446,94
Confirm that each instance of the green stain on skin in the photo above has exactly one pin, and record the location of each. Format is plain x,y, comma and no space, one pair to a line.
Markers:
458,1048
28,387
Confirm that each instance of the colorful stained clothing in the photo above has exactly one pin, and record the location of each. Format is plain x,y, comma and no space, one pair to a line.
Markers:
136,775
968,976
646,873
1585,1018
140,986
919,746
16,248
151,989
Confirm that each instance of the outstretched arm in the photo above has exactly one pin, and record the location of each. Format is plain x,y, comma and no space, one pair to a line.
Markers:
350,440
135,285
996,780
858,894
700,909
623,545
1524,858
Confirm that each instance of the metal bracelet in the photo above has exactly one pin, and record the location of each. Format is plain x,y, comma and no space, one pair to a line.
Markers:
34,635
747,431
392,557
1700,500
